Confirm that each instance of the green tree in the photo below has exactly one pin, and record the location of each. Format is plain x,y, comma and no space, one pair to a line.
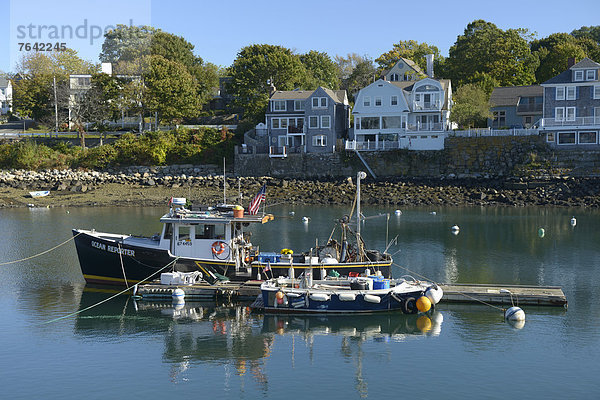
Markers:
362,75
126,43
171,91
555,60
258,67
471,106
411,50
321,70
484,48
592,32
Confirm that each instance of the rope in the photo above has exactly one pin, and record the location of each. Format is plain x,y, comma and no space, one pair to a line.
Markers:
40,254
122,266
462,294
111,297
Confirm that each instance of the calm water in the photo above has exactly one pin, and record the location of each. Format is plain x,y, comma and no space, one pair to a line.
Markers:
124,349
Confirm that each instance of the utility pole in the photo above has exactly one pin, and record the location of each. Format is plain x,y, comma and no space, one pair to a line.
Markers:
55,107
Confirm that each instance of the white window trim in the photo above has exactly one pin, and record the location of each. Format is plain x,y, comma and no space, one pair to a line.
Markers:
567,110
273,123
325,117
319,102
578,75
298,102
367,101
380,102
584,144
273,102
565,144
562,112
310,118
319,140
562,90
392,100
591,77
571,93
596,92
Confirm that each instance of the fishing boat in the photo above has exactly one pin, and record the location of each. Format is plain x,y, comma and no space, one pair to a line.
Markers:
364,294
215,241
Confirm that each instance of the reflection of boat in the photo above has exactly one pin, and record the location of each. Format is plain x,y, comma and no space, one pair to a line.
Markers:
215,241
357,295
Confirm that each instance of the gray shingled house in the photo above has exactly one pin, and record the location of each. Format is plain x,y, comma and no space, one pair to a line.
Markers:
516,106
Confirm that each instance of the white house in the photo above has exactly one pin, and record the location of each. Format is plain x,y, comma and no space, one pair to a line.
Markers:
6,93
402,114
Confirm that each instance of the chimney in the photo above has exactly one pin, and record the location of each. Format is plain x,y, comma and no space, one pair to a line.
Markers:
570,62
429,58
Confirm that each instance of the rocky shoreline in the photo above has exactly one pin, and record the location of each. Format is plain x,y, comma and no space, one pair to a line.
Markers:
153,186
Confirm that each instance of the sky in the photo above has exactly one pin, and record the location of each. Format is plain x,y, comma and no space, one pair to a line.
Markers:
219,29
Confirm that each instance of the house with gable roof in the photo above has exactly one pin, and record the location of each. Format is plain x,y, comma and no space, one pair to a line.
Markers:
516,106
308,121
5,95
403,70
412,114
572,106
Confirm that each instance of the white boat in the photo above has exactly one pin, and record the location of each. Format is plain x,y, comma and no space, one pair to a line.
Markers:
39,193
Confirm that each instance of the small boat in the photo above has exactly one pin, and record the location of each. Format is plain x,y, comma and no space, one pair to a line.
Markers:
363,294
39,193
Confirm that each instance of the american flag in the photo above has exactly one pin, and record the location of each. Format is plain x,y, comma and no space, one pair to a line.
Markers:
259,198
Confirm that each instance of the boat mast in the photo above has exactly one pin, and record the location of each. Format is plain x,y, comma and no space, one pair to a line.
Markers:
224,183
359,176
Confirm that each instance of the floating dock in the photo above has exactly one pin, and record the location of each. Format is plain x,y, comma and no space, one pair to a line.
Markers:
453,293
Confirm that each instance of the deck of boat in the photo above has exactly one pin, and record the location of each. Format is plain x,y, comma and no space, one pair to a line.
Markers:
453,293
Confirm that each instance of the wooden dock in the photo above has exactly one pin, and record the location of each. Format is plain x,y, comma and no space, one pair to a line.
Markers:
501,294
453,293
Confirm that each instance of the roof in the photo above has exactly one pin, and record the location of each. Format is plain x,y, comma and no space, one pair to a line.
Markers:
408,87
509,96
408,62
566,76
337,95
3,81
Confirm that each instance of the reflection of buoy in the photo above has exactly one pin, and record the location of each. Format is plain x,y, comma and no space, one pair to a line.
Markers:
541,232
573,221
292,213
517,324
423,304
305,219
514,314
424,323
433,213
398,212
455,229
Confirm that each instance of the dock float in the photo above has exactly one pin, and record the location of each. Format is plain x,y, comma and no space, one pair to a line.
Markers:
453,293
504,294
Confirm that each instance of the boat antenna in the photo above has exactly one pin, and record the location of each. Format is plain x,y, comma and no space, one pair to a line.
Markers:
224,183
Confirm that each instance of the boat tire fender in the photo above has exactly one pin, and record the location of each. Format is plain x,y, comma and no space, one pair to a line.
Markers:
409,306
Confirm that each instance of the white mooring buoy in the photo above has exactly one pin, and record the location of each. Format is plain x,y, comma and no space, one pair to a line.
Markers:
398,212
305,219
514,314
573,221
178,295
455,229
541,232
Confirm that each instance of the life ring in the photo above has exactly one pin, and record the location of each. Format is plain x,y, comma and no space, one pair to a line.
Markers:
218,247
409,306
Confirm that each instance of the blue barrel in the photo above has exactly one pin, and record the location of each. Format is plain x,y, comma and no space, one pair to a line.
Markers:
381,284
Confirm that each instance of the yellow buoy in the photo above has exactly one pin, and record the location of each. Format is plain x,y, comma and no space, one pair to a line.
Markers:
424,323
423,304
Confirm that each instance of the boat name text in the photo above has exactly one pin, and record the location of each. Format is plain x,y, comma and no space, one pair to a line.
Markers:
113,249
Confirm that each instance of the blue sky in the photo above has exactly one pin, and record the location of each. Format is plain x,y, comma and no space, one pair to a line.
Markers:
219,29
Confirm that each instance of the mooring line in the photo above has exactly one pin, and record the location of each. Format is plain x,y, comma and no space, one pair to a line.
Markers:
42,253
463,294
111,297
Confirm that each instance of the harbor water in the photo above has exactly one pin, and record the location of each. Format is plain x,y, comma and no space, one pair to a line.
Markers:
138,349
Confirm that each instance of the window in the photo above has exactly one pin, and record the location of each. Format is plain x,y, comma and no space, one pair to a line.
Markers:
168,231
319,140
313,121
392,122
550,137
499,119
184,233
369,123
570,113
377,101
560,93
578,76
319,102
566,137
587,137
559,114
590,75
394,77
278,105
394,101
571,92
325,122
596,91
367,101
283,123
275,123
298,105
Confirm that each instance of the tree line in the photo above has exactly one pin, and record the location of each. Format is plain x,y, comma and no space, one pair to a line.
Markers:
160,76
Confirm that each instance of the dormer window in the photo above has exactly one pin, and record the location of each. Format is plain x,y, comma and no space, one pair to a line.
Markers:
394,77
578,75
590,75
278,105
